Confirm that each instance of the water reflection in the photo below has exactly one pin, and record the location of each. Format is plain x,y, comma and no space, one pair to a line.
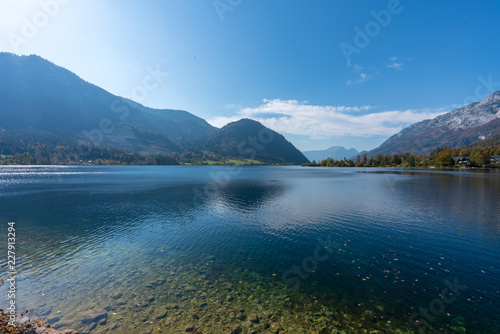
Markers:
395,236
469,200
248,197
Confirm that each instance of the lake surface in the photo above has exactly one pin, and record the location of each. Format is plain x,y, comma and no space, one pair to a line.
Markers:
153,249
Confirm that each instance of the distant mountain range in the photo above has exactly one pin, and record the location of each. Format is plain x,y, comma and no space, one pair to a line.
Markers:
457,128
39,98
334,152
43,102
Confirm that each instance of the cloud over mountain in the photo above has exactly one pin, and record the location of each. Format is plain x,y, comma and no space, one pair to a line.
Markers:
316,121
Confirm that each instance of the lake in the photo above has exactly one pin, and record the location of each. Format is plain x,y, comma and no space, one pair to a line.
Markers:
176,249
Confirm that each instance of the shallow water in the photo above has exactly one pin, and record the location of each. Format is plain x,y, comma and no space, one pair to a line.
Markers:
118,249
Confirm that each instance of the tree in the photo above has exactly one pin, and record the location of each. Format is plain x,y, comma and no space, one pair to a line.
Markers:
359,163
445,157
396,160
411,160
422,160
480,158
464,152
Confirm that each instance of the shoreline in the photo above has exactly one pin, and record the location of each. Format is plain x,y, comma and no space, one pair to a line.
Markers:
267,165
25,325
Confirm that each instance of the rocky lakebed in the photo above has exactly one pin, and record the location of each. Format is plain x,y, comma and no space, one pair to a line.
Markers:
197,296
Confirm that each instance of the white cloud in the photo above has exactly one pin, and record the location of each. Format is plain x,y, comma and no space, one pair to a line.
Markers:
317,122
363,77
394,64
357,68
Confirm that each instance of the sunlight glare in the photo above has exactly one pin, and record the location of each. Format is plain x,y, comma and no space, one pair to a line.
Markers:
12,13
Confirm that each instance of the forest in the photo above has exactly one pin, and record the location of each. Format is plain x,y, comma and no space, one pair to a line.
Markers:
43,148
38,148
477,155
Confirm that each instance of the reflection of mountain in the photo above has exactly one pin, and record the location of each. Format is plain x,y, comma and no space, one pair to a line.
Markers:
247,197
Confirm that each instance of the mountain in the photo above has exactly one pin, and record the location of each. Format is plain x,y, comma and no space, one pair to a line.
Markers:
249,139
334,152
40,96
354,157
486,144
46,106
457,128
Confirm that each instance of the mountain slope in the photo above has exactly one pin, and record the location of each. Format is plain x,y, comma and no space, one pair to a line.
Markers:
487,144
334,152
248,139
460,127
38,95
48,105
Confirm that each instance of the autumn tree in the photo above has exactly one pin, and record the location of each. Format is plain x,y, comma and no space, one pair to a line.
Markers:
480,157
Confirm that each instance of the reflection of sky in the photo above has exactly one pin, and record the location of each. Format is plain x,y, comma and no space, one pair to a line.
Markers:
460,199
266,219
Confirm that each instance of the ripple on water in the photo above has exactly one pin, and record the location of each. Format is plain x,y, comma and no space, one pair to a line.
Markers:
144,253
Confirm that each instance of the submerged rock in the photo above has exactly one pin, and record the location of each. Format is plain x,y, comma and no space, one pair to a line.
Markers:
91,316
275,327
235,329
53,319
253,317
267,314
189,328
172,306
116,295
160,314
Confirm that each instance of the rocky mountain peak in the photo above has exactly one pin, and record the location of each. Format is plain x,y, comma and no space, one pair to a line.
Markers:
459,127
492,99
471,115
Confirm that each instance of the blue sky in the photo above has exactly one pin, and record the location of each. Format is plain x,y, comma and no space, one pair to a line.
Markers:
322,73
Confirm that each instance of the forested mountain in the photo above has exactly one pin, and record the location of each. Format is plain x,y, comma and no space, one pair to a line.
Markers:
42,101
487,144
249,139
32,147
38,95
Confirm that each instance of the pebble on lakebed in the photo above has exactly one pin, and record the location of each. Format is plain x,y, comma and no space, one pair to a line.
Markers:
187,298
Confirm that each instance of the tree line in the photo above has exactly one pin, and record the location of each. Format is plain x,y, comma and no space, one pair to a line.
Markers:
46,149
438,157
